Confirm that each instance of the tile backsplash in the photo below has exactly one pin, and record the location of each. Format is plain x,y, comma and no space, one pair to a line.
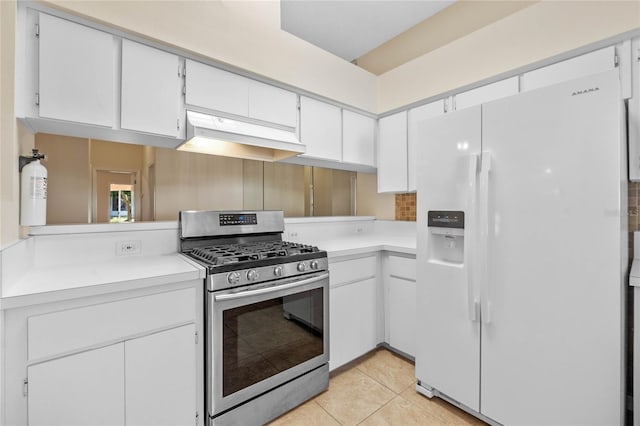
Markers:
406,207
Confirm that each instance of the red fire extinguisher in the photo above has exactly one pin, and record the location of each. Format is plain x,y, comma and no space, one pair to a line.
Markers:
33,190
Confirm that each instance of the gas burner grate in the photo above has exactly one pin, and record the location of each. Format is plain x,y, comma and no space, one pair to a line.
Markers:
238,253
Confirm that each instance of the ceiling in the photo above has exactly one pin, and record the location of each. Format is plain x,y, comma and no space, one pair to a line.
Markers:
351,28
379,35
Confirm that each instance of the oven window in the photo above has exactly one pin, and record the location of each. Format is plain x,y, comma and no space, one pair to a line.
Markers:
265,338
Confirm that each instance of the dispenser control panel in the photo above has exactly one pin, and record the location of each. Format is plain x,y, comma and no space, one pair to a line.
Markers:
445,219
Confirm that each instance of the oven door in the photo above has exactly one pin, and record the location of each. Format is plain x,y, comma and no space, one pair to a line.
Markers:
264,335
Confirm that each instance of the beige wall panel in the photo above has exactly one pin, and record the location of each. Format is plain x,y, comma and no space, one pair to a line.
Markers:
68,178
147,181
537,32
437,31
245,34
308,176
341,193
189,181
9,147
369,202
252,185
116,156
284,188
322,199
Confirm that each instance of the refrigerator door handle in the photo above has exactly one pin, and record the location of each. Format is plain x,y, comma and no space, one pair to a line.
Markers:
483,243
469,252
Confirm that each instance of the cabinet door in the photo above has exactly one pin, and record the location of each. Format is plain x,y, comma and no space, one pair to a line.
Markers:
402,314
76,72
87,388
392,153
486,93
150,90
161,378
321,129
352,321
272,104
358,139
581,66
416,118
212,88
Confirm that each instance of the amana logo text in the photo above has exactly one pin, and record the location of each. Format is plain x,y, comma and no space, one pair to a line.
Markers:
582,92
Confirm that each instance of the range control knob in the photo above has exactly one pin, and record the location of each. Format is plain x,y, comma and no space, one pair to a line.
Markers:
314,264
252,275
277,271
302,266
233,277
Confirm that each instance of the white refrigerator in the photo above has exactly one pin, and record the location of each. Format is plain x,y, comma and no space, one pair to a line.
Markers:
522,249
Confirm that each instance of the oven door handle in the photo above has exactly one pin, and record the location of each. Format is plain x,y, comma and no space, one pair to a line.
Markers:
272,289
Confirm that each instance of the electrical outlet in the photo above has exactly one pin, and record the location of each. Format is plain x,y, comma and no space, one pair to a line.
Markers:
126,248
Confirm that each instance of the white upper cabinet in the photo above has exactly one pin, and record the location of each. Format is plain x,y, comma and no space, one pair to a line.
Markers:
487,93
321,129
76,74
392,153
272,104
417,116
581,66
358,138
215,89
151,86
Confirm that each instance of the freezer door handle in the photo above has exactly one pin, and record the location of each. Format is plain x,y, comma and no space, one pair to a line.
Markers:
469,252
483,246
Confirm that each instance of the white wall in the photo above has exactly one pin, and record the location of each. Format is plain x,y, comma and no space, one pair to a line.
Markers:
533,34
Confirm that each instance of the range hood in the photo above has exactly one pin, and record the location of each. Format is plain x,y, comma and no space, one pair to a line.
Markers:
215,135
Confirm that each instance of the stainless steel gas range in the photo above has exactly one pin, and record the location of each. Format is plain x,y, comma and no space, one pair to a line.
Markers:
267,314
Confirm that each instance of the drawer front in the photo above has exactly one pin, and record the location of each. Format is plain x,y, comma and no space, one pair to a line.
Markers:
75,329
352,270
402,267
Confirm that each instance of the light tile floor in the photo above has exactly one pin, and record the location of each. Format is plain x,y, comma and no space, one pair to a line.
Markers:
377,389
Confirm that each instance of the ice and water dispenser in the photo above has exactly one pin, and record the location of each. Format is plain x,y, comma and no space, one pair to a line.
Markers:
446,236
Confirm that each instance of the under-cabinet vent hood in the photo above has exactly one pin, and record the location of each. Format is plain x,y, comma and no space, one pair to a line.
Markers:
210,134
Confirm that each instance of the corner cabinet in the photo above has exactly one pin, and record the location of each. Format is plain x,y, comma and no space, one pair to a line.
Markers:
151,86
392,153
77,73
321,129
133,358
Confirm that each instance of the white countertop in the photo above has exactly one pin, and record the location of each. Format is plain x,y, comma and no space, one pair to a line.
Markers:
54,283
355,245
39,269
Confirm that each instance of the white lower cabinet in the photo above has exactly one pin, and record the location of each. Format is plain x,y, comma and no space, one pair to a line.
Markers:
353,312
400,282
129,358
160,378
402,314
76,388
150,380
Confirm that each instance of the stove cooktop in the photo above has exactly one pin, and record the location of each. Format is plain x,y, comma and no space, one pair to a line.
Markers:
238,254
